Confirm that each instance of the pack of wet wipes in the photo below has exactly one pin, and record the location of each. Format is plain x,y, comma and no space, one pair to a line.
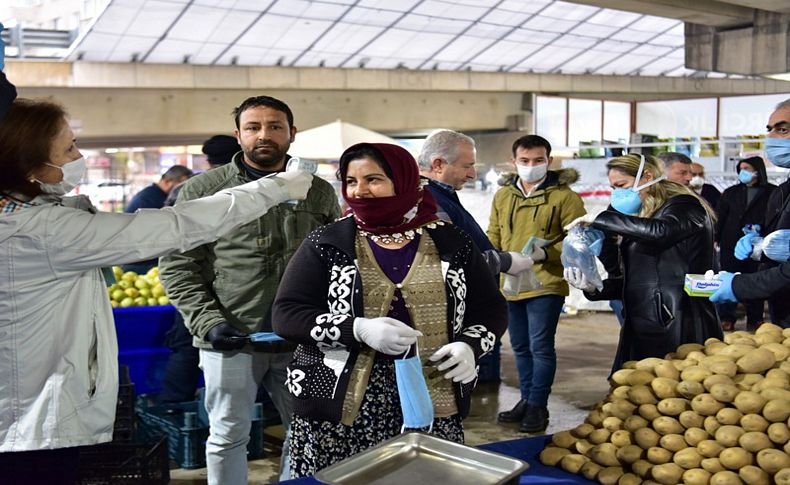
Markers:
701,284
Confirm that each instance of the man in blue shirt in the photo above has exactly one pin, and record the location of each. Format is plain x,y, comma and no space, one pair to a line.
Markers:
153,196
447,160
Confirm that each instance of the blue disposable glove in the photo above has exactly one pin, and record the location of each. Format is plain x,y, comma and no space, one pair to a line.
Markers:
745,246
724,293
2,49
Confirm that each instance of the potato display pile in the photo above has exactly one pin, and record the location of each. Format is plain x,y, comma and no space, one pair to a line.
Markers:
706,414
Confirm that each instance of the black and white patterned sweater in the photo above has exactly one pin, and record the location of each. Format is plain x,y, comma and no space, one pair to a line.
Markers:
321,294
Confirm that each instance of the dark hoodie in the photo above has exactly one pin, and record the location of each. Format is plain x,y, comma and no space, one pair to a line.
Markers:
736,209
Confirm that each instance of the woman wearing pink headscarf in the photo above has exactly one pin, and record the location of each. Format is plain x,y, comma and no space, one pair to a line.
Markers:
361,292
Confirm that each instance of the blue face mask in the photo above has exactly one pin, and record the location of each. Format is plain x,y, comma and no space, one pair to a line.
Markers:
415,401
745,176
778,151
627,201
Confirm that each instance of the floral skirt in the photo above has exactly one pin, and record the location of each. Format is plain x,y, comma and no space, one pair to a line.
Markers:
317,444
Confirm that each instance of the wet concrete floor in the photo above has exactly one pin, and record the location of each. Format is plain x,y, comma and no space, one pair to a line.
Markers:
585,344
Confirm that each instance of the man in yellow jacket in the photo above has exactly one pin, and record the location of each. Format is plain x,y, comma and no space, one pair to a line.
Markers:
538,202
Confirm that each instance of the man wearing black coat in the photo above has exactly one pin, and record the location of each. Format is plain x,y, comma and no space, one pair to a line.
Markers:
743,203
773,279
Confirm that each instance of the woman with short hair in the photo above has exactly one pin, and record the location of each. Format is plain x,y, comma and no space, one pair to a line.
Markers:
58,349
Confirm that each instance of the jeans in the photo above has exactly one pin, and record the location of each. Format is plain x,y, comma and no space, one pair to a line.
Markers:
232,380
532,326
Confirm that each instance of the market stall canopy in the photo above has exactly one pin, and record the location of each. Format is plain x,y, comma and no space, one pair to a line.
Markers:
327,142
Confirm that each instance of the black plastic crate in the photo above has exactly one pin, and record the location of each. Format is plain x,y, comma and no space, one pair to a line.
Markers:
125,419
125,464
186,432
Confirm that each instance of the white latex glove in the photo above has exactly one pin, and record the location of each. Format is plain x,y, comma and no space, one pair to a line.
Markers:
384,334
584,220
461,358
297,182
518,263
576,279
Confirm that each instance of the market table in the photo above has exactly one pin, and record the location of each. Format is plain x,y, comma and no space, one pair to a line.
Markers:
526,449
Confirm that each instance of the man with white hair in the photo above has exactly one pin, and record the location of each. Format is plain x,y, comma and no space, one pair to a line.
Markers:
447,160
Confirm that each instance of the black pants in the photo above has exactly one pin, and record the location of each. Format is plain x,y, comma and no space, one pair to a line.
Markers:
53,467
754,312
182,372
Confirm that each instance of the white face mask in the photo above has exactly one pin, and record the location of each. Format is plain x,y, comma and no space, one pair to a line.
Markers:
532,174
72,175
697,181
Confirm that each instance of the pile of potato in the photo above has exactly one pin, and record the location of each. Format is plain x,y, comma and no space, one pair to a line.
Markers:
706,414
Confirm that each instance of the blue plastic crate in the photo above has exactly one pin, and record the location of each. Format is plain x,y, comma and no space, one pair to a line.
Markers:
143,327
146,367
187,431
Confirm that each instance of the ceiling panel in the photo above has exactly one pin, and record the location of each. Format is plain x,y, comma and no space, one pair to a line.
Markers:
155,18
346,39
548,58
506,53
372,17
423,23
485,35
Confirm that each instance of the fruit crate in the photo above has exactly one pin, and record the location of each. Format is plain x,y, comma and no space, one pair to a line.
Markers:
141,343
144,463
124,427
187,430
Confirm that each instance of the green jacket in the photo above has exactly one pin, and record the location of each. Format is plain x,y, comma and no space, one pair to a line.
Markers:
235,278
550,207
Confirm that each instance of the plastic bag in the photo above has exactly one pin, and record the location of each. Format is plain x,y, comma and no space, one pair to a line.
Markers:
775,246
526,280
579,250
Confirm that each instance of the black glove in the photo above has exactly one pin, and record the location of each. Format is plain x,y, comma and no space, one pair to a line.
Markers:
226,337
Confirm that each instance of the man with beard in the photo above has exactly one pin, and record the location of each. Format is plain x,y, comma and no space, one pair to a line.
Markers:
225,289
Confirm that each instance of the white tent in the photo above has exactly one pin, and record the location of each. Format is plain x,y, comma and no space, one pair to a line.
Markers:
327,142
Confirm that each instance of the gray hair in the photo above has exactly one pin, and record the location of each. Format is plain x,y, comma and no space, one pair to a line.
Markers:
176,173
783,105
670,158
442,144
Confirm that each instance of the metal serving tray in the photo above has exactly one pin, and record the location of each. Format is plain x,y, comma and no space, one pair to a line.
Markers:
416,458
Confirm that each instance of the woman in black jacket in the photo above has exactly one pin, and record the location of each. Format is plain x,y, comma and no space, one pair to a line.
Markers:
739,205
361,292
667,232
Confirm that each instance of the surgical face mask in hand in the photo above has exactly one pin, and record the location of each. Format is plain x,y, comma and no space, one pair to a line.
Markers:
415,400
72,175
627,201
696,182
778,151
745,176
532,174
